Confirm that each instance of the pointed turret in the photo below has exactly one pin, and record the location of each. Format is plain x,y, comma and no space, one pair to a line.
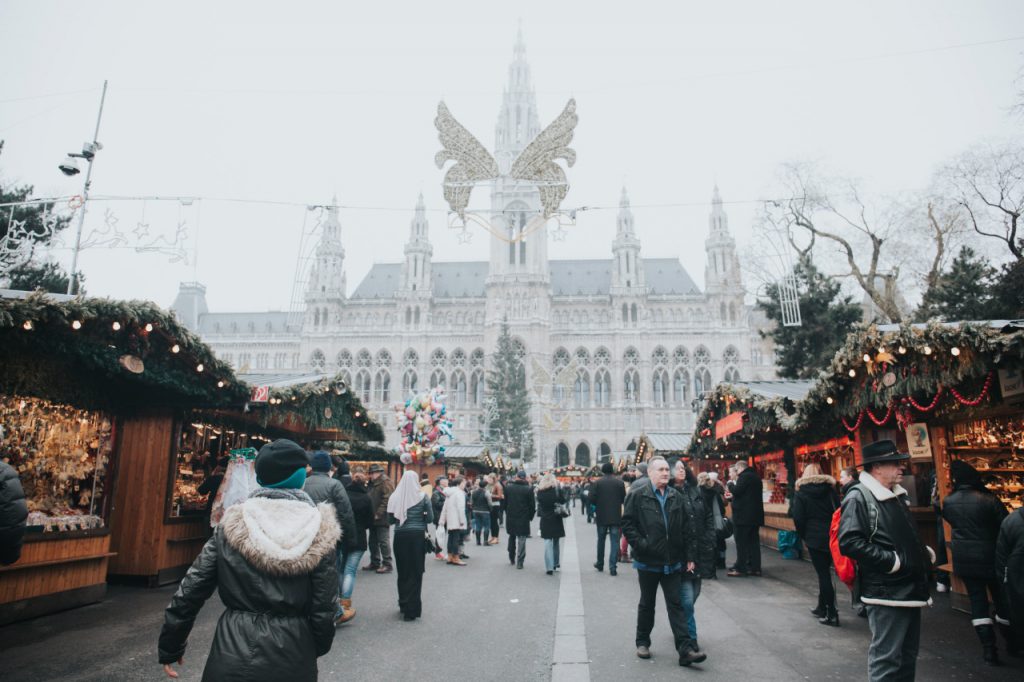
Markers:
325,291
418,251
518,122
628,273
722,278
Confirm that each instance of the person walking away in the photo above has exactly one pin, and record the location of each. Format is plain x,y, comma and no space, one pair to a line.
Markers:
663,543
520,507
975,514
322,488
747,518
607,495
1010,574
551,528
362,510
436,505
877,531
585,500
409,511
13,514
453,518
272,561
481,504
813,504
497,495
381,488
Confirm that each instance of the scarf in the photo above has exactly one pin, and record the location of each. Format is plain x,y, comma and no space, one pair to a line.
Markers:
406,495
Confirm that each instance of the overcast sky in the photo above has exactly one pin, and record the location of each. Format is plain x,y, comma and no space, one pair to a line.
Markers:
294,102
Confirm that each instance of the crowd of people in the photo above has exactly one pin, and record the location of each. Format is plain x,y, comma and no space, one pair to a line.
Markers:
285,561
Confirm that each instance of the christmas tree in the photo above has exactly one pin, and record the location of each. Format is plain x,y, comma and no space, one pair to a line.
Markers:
509,420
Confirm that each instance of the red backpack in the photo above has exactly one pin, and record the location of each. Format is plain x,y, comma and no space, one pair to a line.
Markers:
846,568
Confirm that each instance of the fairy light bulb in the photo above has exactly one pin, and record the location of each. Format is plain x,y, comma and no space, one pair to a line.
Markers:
829,400
27,325
199,367
220,384
867,358
116,326
927,350
954,350
149,327
852,373
76,325
175,348
902,350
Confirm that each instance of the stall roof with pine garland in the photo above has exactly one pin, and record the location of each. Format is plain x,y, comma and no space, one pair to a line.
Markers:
322,403
98,353
881,372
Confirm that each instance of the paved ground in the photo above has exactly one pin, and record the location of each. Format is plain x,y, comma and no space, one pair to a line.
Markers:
494,622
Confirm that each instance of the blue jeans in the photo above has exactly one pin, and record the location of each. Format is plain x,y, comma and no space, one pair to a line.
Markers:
348,566
689,590
551,553
482,525
613,549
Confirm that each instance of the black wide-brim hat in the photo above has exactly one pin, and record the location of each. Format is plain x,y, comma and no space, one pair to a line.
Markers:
882,451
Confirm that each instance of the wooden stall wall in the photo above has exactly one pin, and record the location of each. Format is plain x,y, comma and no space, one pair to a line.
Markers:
147,543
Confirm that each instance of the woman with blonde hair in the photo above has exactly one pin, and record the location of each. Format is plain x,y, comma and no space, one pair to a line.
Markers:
551,527
813,504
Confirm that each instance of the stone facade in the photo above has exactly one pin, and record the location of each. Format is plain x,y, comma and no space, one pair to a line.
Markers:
612,347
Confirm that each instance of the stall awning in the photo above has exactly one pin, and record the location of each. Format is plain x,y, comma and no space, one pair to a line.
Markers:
465,452
668,442
794,389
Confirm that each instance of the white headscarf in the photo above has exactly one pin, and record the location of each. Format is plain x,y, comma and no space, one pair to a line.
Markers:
406,495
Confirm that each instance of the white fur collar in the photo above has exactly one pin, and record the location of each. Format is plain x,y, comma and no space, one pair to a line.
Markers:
281,537
880,492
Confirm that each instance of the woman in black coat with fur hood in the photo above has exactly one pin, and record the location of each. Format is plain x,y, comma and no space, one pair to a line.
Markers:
813,504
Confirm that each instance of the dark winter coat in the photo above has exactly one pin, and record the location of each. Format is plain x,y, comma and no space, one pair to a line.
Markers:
520,506
975,516
813,504
362,510
380,492
437,503
653,543
846,489
747,503
322,488
551,525
1010,563
892,563
272,560
479,500
701,520
607,495
13,512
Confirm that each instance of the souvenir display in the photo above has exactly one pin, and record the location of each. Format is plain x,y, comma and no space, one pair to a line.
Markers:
995,447
61,455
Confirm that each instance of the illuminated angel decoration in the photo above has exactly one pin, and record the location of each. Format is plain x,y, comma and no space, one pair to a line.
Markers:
535,165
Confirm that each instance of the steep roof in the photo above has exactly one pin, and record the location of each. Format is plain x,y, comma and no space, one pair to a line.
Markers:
568,278
275,322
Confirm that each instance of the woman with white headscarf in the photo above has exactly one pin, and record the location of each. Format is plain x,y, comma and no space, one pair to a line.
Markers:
409,510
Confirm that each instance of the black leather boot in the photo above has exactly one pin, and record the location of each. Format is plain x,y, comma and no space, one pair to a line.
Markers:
831,616
1012,647
987,635
819,611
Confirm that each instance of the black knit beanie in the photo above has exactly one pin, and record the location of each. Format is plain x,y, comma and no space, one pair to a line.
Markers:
278,460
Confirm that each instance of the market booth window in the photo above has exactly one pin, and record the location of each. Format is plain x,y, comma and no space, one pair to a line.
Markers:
62,456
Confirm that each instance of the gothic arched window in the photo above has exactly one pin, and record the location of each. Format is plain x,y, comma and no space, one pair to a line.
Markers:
631,385
317,361
438,358
732,375
632,313
581,390
605,453
363,358
659,356
562,455
410,358
459,386
701,381
437,379
363,386
681,356
680,386
409,382
659,386
476,387
382,387
583,455
602,388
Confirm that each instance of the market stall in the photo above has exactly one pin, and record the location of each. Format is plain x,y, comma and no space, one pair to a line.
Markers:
88,389
661,445
942,392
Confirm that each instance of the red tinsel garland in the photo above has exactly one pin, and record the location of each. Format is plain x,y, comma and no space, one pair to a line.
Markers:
856,426
981,396
876,420
931,405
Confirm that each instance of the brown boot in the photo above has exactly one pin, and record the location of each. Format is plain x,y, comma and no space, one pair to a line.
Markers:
348,613
455,560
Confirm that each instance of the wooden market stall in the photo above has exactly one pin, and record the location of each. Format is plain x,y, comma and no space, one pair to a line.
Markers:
88,390
942,391
661,445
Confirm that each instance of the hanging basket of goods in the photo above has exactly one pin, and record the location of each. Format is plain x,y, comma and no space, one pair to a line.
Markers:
422,421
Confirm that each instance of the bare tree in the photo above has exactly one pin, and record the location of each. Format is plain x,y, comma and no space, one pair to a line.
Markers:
988,185
833,215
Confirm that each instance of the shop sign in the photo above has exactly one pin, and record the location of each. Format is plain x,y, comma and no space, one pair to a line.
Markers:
918,442
730,424
1011,382
260,394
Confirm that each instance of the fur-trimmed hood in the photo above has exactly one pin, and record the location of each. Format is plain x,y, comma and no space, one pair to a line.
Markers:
282,536
816,478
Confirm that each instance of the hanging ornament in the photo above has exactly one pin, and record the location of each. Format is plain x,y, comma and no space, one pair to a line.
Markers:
889,379
132,363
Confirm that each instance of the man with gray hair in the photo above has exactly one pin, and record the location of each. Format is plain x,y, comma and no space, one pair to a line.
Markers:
663,542
747,518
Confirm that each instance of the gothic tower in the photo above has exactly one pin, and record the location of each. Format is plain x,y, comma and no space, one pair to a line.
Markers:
414,291
325,292
628,285
723,282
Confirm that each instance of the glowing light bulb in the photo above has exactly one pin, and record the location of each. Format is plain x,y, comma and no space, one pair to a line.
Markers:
954,350
829,400
76,325
175,348
116,326
852,373
27,326
927,350
902,350
199,367
149,327
867,358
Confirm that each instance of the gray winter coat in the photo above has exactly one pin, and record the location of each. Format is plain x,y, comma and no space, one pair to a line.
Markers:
272,560
323,488
13,513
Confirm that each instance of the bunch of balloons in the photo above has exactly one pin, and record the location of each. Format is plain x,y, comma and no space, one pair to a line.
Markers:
422,421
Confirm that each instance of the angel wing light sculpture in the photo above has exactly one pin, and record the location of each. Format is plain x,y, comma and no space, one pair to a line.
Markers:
535,165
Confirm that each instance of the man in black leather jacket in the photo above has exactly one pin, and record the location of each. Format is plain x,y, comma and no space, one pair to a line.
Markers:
878,532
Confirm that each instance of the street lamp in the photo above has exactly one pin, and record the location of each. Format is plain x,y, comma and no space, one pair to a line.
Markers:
70,168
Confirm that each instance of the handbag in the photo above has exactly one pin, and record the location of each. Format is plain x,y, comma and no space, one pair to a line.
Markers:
562,510
428,543
723,524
